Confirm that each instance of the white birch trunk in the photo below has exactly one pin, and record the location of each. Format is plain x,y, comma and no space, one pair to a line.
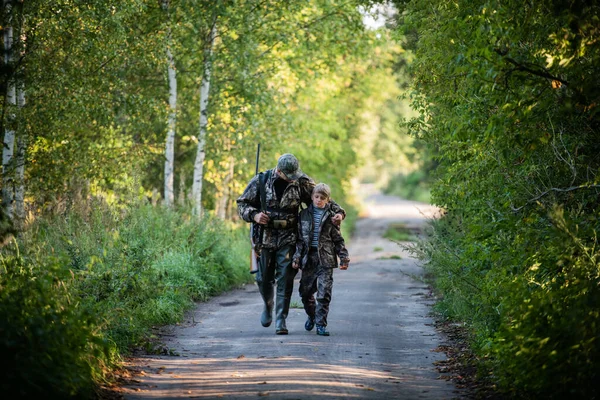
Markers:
201,152
170,140
20,166
8,170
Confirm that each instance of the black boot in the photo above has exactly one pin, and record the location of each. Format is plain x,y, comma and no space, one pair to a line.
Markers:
281,315
310,323
267,315
267,293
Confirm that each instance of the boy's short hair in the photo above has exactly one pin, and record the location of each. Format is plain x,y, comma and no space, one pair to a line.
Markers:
323,189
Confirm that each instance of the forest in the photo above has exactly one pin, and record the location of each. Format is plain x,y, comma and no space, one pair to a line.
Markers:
130,127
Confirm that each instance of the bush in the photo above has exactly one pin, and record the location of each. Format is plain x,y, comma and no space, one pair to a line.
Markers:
533,309
548,343
93,282
50,345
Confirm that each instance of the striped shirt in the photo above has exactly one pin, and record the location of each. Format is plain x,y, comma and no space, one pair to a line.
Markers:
317,218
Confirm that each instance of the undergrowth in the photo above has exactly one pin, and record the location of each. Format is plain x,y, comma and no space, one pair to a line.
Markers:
533,310
81,289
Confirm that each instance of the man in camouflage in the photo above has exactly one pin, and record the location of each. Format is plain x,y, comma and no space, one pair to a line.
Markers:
286,187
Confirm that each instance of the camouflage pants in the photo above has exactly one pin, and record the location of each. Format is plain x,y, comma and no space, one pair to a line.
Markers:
275,270
319,280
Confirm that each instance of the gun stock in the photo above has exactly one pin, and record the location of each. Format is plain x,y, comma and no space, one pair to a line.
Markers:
253,255
253,262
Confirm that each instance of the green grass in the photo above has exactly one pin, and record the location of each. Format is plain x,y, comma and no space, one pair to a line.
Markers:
399,232
296,304
394,257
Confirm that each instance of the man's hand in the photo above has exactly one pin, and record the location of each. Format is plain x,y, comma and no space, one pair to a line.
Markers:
295,264
344,267
337,219
261,218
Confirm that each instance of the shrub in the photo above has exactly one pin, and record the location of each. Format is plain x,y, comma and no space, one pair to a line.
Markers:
50,345
93,282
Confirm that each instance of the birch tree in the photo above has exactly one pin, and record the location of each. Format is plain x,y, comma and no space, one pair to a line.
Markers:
8,170
201,151
170,139
20,166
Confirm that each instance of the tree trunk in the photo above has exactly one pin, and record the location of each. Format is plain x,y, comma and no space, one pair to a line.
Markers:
170,140
20,162
201,153
20,179
8,170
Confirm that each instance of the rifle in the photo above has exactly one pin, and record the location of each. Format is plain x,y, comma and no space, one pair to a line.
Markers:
254,230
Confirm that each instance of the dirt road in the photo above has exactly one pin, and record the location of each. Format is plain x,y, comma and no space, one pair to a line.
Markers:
381,344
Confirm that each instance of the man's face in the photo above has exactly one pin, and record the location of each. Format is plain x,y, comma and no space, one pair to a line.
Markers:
319,200
283,176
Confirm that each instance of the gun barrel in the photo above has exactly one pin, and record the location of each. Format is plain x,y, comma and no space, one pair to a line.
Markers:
253,255
257,158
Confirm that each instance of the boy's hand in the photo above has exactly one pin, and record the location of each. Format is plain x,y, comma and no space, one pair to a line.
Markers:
295,264
344,267
337,219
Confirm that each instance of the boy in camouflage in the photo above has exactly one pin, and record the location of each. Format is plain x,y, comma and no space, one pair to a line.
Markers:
318,247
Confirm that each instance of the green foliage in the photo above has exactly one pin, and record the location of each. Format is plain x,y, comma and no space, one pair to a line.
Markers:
98,274
393,257
399,232
413,186
553,323
144,266
50,343
508,100
295,76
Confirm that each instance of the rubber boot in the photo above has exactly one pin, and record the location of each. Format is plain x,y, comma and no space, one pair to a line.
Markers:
267,293
267,315
281,315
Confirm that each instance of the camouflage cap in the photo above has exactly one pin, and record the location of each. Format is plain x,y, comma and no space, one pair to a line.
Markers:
288,164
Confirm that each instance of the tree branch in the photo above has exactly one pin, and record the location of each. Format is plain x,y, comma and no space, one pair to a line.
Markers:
540,71
560,190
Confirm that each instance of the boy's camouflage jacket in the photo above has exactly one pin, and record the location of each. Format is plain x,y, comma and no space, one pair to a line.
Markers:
331,242
286,208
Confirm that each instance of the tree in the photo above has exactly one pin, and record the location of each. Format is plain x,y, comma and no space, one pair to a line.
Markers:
169,195
204,97
8,151
508,98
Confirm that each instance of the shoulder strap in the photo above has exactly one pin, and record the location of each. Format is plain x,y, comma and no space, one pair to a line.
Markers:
263,177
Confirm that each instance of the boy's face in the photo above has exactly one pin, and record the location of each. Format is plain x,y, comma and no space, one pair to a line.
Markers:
319,200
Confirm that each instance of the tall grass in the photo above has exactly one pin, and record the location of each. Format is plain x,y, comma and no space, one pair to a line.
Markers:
80,289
